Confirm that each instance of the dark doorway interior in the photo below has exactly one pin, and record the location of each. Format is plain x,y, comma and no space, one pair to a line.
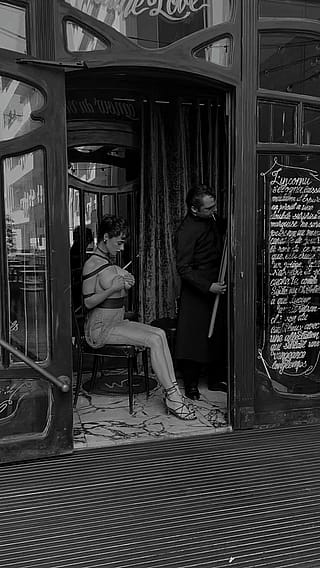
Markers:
134,150
165,137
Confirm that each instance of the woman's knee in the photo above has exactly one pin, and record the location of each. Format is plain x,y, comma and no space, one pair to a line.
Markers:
156,340
160,333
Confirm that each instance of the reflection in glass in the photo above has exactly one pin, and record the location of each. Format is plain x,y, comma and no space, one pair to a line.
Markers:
311,126
218,52
91,172
13,28
79,39
91,211
17,101
103,165
277,123
109,204
24,198
82,241
290,9
154,25
290,62
74,211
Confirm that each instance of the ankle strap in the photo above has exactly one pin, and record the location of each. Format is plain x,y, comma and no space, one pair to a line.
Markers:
174,387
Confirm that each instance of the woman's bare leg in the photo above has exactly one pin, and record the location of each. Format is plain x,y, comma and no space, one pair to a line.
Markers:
135,333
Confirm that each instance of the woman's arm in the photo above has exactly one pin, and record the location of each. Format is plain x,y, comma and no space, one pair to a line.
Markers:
100,285
98,297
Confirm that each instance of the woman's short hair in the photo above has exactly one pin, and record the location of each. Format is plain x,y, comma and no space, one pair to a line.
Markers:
196,194
113,226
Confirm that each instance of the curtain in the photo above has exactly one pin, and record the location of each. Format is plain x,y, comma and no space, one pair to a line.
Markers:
182,143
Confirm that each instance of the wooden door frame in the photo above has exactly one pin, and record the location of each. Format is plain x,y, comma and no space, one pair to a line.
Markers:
50,137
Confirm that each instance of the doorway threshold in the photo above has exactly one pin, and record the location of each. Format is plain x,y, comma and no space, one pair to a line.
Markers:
104,420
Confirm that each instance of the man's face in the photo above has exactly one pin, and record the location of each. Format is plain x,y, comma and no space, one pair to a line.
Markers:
208,208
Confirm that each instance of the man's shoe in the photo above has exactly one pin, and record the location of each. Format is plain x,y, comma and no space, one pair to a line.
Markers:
221,386
192,392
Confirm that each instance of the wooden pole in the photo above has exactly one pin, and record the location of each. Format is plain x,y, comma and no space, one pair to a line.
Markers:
222,274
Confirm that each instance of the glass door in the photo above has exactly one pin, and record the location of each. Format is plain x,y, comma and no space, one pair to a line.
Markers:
35,334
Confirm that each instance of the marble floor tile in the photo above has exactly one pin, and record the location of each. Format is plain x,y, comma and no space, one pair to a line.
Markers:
104,420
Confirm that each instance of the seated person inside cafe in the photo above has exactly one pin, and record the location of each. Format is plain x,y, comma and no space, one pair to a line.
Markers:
104,290
199,246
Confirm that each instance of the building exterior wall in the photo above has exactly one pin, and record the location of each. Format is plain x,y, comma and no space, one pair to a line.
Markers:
263,57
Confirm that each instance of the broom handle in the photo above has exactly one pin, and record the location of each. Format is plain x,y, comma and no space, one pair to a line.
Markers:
222,273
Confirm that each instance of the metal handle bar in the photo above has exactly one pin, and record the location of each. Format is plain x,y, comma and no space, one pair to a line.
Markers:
62,382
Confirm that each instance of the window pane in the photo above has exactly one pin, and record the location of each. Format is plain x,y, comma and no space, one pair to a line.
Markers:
79,39
17,101
109,204
288,274
153,25
81,243
24,197
13,28
311,126
91,212
94,173
290,63
218,52
114,166
277,123
74,211
290,9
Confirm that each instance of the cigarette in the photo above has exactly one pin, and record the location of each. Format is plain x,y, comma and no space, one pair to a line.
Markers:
128,263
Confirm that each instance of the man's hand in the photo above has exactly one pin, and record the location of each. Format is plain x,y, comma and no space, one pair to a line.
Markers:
218,288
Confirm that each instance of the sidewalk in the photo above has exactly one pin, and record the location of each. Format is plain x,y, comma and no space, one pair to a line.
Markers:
244,499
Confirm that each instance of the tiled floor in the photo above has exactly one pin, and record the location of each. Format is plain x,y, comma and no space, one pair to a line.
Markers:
104,420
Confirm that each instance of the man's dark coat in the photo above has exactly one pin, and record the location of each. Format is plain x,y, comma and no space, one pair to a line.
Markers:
199,249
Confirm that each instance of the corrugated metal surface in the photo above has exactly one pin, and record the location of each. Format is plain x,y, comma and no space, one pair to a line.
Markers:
249,499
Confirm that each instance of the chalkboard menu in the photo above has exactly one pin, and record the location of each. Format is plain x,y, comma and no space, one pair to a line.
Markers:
291,343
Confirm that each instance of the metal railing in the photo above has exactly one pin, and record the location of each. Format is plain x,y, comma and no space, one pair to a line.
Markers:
63,382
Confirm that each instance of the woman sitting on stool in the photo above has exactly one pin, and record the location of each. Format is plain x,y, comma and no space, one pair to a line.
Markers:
104,289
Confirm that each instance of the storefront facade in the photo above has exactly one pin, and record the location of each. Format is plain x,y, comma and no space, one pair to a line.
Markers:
117,107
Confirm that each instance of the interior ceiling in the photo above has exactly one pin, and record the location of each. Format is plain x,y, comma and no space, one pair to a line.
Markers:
134,82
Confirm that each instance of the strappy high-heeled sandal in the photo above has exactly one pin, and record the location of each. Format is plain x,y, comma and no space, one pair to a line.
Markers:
179,409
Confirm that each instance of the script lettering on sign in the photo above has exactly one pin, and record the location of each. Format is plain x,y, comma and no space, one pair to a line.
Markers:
292,271
173,10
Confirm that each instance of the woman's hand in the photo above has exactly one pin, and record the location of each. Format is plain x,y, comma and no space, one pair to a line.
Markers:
218,288
117,283
129,280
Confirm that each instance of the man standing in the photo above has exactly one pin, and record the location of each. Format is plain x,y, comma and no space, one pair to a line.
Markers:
199,247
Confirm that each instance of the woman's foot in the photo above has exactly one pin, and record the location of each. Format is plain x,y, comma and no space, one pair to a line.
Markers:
177,405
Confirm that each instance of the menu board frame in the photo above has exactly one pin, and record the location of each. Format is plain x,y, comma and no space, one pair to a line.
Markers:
289,349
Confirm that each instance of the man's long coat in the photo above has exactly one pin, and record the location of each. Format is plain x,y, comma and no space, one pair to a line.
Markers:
199,249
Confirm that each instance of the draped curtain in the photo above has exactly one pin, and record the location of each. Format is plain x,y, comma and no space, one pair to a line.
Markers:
182,143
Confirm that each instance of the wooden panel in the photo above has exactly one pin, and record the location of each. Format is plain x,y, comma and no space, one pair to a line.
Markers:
244,233
177,56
